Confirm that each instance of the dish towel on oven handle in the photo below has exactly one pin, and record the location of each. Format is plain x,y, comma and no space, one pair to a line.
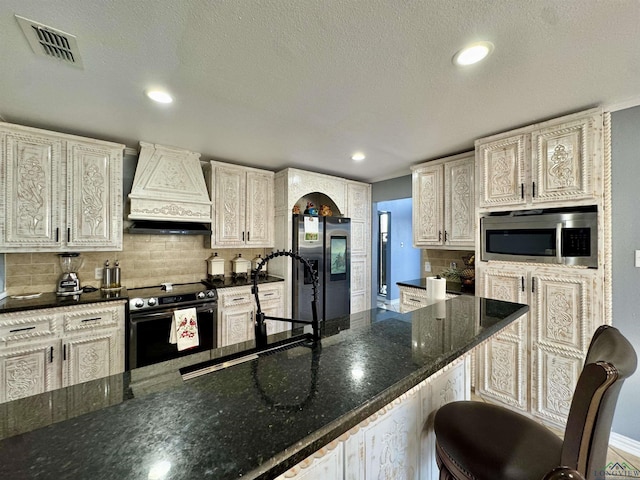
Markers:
184,329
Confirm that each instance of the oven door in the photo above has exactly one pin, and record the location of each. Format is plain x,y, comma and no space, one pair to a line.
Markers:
149,335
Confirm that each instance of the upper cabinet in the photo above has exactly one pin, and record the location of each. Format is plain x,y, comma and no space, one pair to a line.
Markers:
59,192
443,202
242,205
551,162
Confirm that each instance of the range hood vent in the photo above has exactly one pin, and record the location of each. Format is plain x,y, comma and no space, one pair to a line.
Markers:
154,227
169,186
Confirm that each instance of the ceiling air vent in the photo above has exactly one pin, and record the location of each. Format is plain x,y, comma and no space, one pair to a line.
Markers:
50,42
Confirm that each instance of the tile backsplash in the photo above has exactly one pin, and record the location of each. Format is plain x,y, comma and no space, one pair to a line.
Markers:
145,260
441,259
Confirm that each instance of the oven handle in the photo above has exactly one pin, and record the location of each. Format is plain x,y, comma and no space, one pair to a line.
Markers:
559,243
142,316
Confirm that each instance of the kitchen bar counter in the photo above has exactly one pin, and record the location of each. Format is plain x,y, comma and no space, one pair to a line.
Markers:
452,287
252,420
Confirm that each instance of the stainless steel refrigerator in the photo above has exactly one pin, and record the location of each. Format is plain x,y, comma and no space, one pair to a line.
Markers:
326,243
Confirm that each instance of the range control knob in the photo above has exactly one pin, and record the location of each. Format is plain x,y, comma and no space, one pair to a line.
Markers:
211,294
138,303
200,295
151,302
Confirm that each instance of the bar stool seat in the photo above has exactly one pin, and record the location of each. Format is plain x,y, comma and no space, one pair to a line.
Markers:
481,441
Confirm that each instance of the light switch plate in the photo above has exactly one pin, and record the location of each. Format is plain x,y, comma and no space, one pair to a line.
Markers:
98,273
637,258
427,266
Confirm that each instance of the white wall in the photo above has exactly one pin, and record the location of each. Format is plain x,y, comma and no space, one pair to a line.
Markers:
625,181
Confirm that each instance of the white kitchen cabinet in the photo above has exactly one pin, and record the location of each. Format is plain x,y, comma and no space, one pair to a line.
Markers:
237,310
533,365
42,350
444,202
59,192
552,162
243,208
412,298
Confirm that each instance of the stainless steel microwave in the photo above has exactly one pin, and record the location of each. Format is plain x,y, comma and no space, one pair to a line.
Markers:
541,236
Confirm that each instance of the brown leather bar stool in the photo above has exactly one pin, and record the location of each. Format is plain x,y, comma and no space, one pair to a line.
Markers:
480,441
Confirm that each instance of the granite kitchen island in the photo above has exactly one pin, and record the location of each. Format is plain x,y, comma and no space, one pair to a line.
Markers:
319,404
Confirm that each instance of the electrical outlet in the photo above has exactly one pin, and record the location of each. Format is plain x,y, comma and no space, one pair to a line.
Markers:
427,266
98,273
637,258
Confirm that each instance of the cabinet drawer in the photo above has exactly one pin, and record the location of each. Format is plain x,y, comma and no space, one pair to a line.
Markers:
85,319
15,328
269,294
237,297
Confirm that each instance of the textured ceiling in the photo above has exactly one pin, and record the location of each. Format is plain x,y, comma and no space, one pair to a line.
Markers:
304,83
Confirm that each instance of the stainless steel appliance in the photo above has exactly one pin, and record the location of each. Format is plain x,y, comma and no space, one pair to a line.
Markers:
69,283
325,242
150,317
557,236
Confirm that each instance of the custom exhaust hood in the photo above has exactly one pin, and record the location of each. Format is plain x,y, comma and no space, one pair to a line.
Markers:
169,194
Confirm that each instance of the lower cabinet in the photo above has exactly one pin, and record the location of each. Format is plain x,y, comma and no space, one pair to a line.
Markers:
42,350
397,442
534,364
237,310
412,298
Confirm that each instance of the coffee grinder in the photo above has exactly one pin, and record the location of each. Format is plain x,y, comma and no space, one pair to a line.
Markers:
69,283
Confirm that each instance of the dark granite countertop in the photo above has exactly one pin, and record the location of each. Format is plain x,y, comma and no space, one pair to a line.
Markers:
452,287
51,300
252,420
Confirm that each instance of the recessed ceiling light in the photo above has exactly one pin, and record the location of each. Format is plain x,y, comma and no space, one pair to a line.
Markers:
358,156
473,53
159,96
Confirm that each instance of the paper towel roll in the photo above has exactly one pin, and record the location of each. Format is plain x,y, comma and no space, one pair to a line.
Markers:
436,288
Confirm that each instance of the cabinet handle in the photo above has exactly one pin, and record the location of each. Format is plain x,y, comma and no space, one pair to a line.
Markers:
445,236
522,191
92,319
57,234
51,355
23,329
522,281
248,236
533,189
243,236
251,320
237,299
64,352
439,235
68,234
533,284
269,294
413,299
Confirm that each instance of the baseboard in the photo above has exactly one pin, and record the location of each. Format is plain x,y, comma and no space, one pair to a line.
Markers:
626,444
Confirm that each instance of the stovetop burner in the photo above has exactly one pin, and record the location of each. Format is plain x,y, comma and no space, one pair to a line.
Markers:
170,295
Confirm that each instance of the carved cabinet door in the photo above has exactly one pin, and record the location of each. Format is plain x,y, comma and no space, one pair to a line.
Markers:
428,206
30,177
562,309
259,211
94,195
459,203
29,369
236,325
502,363
91,356
562,160
229,205
501,171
